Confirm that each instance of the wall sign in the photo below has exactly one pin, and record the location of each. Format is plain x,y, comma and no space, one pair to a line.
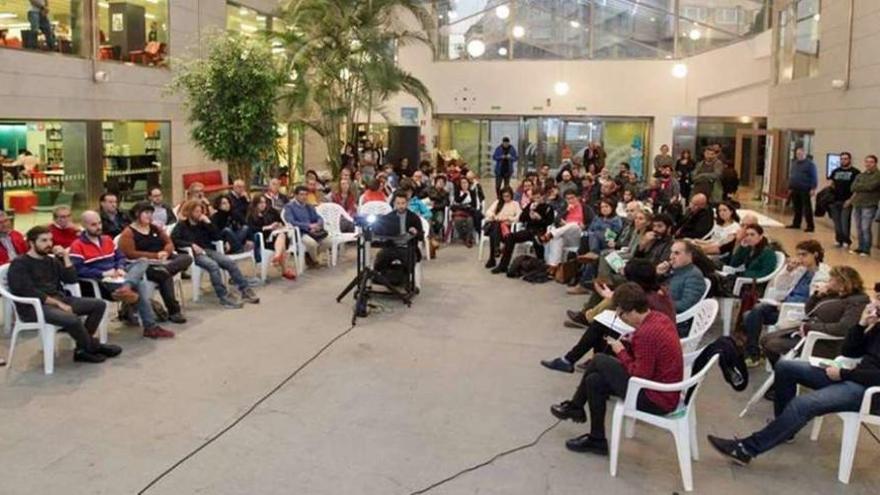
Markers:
117,23
409,115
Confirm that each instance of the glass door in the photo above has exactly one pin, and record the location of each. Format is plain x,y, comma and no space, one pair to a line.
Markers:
577,136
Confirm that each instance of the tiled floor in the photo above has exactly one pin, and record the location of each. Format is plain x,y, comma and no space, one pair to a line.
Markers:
407,398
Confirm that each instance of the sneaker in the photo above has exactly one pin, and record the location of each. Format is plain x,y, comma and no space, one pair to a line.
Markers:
577,317
109,350
864,254
125,294
254,282
499,269
490,263
158,332
83,356
577,290
770,394
810,229
248,295
558,364
588,444
177,318
228,303
754,361
732,449
567,410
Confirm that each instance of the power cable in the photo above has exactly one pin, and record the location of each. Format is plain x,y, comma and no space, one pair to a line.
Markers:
245,414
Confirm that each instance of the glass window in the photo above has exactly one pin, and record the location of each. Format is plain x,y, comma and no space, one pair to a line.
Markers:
136,158
133,31
57,28
798,40
247,21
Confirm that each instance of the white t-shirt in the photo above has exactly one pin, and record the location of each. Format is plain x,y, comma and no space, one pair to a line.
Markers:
720,234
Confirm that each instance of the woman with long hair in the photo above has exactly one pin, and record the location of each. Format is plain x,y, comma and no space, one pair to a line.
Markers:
754,254
233,228
345,197
465,203
262,218
684,168
725,229
500,217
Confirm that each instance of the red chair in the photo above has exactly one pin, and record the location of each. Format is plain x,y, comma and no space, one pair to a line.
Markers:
211,179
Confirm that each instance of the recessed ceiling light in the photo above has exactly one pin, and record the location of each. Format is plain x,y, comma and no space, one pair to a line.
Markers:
519,31
502,11
476,48
679,71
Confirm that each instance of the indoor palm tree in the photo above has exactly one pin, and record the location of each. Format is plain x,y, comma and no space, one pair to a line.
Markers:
341,60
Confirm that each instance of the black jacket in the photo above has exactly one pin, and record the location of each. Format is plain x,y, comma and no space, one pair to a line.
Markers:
537,227
731,361
239,204
389,225
114,225
695,225
202,234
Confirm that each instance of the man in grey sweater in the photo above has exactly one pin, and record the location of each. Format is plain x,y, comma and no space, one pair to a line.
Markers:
866,195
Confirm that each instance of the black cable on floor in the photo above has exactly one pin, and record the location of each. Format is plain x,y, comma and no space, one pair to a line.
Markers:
490,461
245,414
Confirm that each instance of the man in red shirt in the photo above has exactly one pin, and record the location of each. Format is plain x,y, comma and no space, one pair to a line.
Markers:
64,232
652,351
12,243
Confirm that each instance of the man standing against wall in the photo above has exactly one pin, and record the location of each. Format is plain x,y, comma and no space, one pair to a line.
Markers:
802,183
841,215
505,157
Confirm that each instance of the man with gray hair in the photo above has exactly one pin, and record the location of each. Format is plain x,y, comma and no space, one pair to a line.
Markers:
238,198
12,243
95,256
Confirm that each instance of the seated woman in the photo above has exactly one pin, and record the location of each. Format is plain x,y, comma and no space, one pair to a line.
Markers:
523,194
640,271
803,275
604,227
142,239
373,193
464,204
263,219
724,232
233,228
345,197
439,196
501,215
625,199
833,308
566,235
754,256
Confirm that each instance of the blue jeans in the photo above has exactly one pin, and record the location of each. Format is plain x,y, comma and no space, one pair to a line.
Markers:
794,411
754,321
40,22
596,242
236,238
842,218
212,262
134,278
864,224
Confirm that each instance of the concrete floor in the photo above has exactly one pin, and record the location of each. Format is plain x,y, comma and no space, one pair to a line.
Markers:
408,398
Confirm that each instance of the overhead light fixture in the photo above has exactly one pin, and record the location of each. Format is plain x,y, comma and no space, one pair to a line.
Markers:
244,11
519,31
679,71
502,51
653,19
502,11
476,48
575,24
695,34
452,15
816,17
561,88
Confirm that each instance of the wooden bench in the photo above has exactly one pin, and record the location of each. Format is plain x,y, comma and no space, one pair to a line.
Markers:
211,179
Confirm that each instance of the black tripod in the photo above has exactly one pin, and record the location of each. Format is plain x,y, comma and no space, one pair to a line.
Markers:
365,278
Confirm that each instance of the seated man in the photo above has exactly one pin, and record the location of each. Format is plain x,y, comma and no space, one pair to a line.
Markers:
112,220
652,351
238,197
535,217
273,193
300,213
803,274
685,282
12,243
40,273
95,257
656,244
834,389
163,213
400,222
698,221
64,232
195,231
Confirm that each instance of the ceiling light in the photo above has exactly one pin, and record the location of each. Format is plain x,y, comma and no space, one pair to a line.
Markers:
452,15
653,19
679,71
561,88
575,24
502,11
519,31
695,34
816,17
243,11
149,16
502,51
476,48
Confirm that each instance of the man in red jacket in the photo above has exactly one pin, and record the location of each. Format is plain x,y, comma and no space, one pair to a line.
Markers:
652,351
64,232
12,243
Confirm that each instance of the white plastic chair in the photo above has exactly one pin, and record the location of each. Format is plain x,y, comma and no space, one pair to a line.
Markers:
788,312
332,213
849,437
703,316
377,208
295,245
46,331
805,347
682,422
266,254
688,314
727,303
178,279
484,239
426,239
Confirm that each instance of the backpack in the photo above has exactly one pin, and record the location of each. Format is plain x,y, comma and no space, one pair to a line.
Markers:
530,268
